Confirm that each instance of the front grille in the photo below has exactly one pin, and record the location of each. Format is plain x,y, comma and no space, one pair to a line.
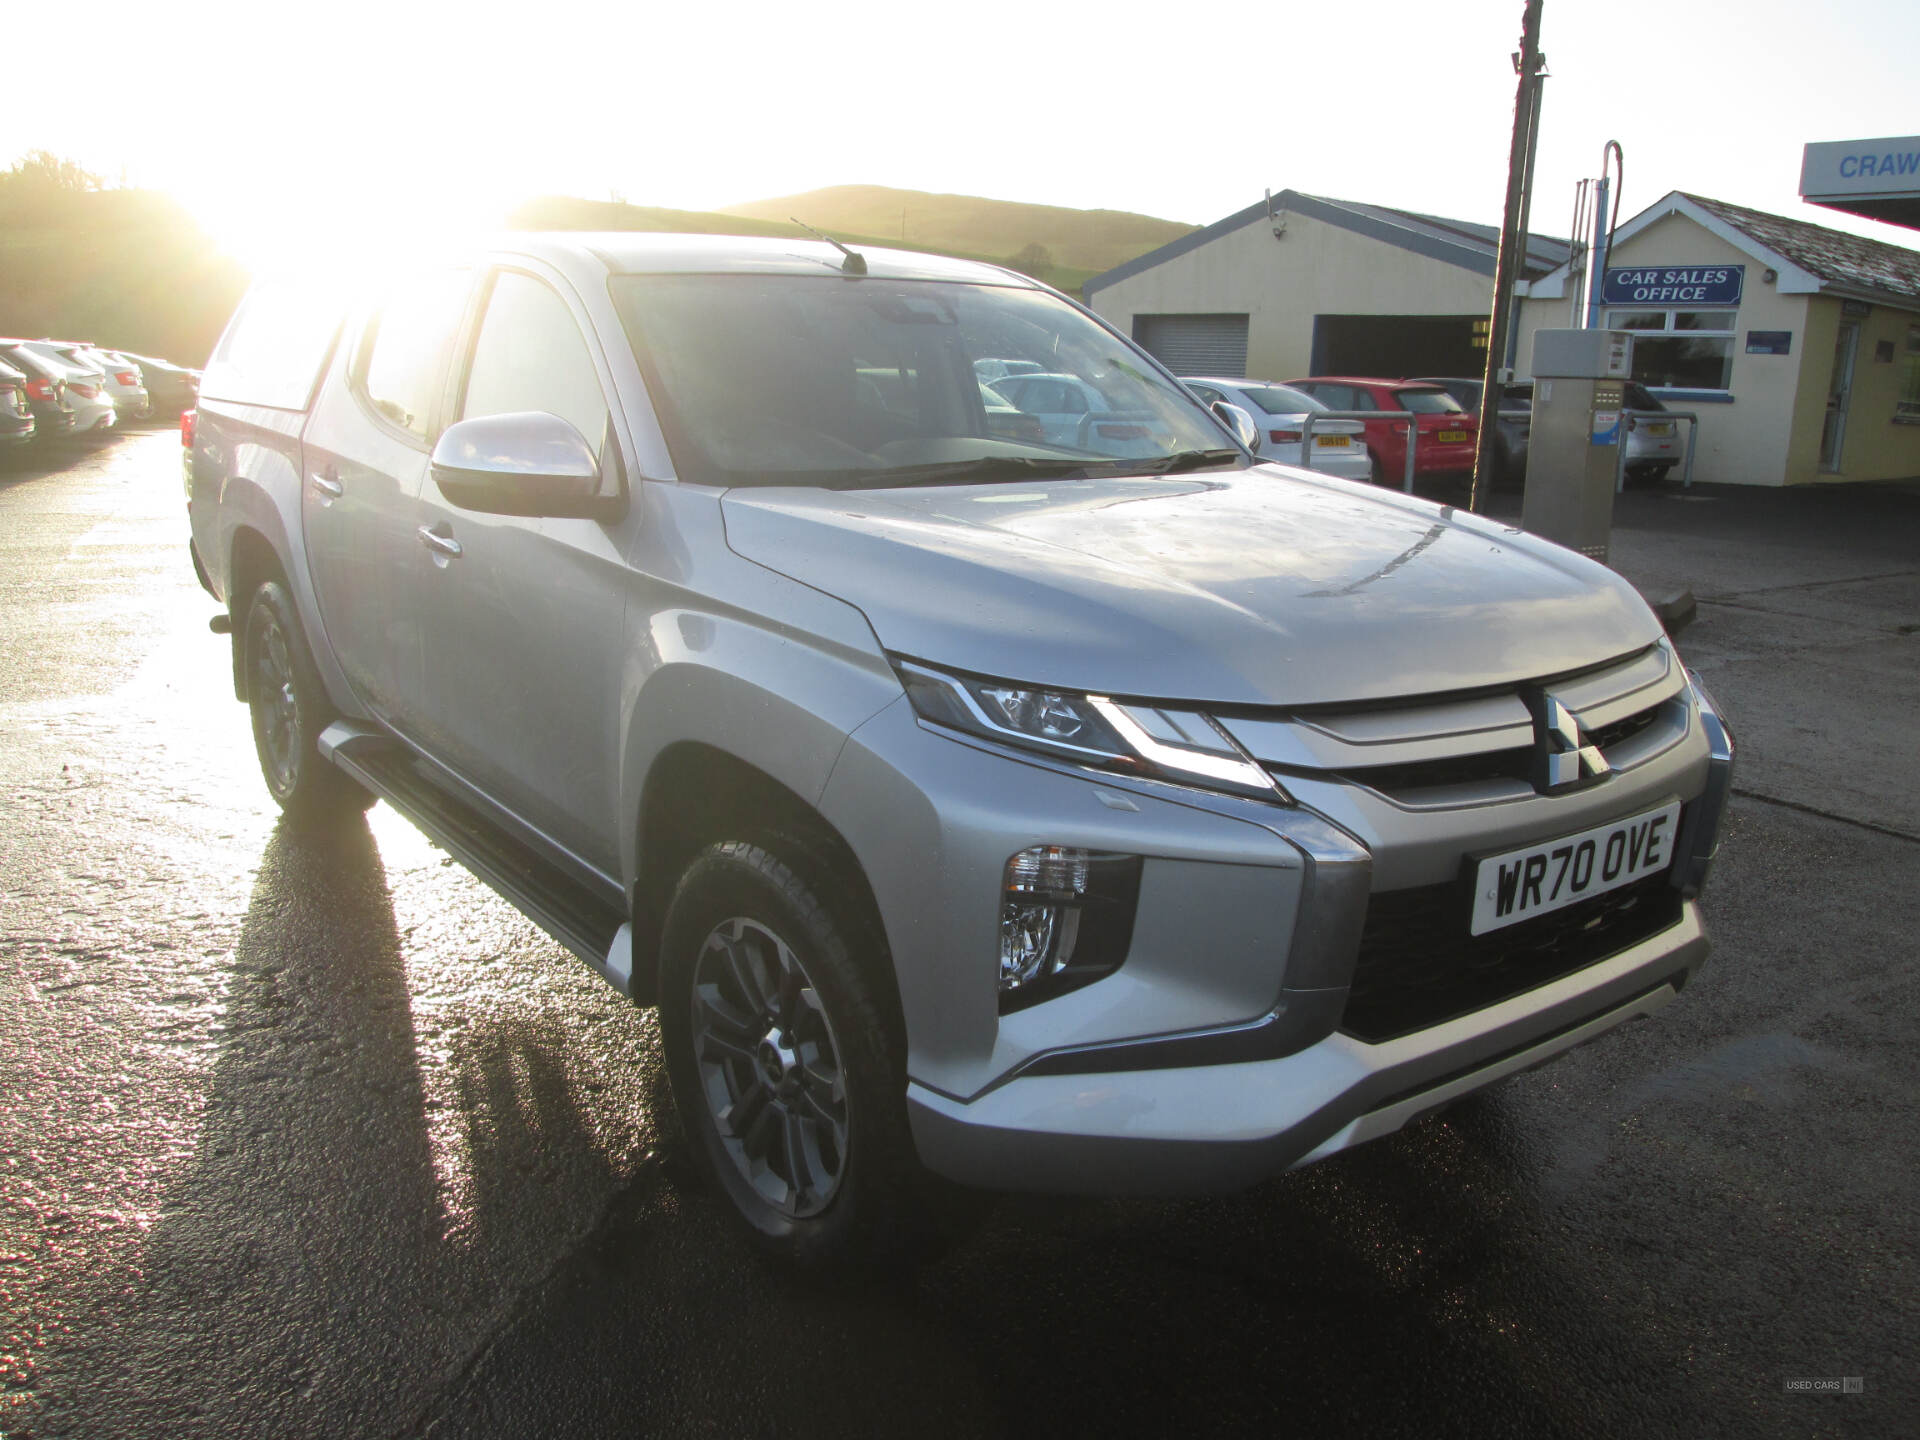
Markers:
1419,967
1459,770
1620,731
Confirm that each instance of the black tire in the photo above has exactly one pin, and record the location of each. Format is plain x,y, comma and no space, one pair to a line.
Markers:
769,1006
1650,472
289,709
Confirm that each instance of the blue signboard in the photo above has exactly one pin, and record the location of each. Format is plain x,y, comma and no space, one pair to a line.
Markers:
1675,285
1769,342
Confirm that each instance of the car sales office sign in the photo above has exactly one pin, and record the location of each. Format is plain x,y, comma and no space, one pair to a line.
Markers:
1689,285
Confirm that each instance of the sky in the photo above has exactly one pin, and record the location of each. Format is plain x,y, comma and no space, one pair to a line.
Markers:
289,128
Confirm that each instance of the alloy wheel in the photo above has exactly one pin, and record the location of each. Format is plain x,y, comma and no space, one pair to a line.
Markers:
271,686
770,1067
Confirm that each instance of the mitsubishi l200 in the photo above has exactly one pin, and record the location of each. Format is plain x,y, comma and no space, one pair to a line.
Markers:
1089,809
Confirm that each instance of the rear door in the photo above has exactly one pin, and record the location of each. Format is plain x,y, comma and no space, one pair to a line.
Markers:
365,459
523,617
1386,438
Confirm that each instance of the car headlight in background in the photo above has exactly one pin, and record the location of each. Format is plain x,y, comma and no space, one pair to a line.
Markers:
1125,736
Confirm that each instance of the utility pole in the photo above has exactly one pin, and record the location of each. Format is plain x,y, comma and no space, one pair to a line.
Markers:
1529,62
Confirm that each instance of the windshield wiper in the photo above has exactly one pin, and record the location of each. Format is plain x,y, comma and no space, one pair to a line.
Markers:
958,472
1188,460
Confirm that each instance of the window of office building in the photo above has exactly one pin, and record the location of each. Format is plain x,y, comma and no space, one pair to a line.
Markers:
1907,409
1680,349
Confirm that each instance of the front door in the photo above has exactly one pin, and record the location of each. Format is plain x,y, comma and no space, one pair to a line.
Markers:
523,618
1833,435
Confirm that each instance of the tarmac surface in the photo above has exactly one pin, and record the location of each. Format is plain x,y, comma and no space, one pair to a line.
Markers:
319,1137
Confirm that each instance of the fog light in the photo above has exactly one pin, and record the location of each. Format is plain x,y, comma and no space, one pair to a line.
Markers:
1066,917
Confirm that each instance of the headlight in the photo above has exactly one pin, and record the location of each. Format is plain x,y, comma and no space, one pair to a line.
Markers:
1127,736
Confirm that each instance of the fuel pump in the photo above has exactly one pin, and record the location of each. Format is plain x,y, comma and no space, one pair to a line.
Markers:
1579,390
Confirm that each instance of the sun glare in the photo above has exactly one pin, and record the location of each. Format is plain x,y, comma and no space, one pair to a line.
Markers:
342,227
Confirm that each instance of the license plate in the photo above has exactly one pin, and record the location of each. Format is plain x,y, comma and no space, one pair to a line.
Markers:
1451,437
1330,440
1539,879
1660,427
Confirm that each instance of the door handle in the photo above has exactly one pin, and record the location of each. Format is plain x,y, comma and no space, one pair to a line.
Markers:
328,486
440,544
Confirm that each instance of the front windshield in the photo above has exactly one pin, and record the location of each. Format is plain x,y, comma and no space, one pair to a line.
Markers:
803,380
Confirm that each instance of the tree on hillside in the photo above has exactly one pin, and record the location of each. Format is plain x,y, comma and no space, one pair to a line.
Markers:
1035,260
43,170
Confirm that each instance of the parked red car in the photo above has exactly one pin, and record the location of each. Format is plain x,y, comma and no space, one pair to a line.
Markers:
1445,441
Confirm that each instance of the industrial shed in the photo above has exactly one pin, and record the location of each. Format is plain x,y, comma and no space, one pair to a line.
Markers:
1302,284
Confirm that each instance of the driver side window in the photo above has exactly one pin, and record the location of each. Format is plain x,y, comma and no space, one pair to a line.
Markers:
530,355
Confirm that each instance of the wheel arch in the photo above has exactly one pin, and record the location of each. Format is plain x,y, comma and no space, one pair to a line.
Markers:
260,540
252,561
696,795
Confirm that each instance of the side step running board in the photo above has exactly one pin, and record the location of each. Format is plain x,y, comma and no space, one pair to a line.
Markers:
584,921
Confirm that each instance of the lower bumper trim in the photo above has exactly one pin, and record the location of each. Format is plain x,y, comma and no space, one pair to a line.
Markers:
1218,1127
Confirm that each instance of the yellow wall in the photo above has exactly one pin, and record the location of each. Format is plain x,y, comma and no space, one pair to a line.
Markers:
1281,285
1874,447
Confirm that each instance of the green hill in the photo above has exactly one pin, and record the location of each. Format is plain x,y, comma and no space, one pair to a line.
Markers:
1082,243
132,270
1083,240
564,212
129,269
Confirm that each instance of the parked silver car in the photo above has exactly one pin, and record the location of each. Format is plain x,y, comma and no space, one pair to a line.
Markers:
1079,415
1025,813
1654,445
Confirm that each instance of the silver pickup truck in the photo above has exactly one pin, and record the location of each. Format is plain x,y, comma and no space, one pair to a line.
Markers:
977,804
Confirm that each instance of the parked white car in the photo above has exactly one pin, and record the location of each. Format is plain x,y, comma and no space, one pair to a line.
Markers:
1278,410
93,407
124,383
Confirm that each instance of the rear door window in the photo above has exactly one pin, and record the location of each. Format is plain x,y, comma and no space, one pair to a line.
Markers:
275,346
403,357
1427,402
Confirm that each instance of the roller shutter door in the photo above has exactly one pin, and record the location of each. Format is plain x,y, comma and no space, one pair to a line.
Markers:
1195,344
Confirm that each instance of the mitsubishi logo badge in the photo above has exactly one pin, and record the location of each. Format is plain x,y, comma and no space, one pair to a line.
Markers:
1562,760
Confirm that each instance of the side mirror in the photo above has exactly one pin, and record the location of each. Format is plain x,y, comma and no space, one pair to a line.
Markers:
528,463
1239,422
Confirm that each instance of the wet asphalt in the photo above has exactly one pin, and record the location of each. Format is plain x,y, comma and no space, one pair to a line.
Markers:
314,1136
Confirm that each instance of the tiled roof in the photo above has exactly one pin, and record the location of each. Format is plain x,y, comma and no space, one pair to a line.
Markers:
1851,262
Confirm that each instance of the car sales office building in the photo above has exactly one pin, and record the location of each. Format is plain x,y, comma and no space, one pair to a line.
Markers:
1797,346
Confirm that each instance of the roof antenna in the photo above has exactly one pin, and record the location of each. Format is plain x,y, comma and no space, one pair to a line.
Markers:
854,264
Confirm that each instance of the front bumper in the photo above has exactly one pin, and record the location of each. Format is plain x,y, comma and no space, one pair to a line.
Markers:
1356,464
1213,1128
1214,1055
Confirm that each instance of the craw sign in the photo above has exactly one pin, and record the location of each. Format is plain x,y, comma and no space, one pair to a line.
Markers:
1673,285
